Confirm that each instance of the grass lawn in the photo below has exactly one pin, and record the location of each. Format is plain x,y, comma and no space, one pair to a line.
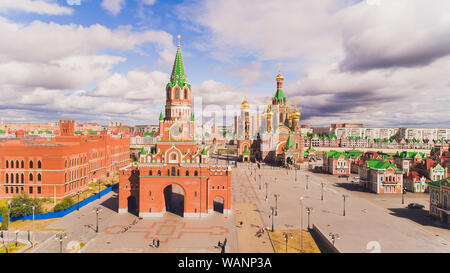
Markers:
38,225
12,247
309,245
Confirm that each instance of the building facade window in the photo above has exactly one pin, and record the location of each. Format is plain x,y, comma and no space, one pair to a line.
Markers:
39,190
31,177
196,173
39,164
31,164
30,190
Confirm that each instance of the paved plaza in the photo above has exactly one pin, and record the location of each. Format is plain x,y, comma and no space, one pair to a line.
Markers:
371,222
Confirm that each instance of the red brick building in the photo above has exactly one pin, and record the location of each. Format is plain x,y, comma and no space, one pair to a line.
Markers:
175,175
60,166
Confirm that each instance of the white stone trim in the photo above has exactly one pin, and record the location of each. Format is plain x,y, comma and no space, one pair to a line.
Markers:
125,210
151,214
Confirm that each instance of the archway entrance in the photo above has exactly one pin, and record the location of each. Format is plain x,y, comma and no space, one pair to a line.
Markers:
218,204
132,205
174,199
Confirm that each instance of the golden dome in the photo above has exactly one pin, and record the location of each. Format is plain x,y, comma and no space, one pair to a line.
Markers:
279,78
295,114
245,104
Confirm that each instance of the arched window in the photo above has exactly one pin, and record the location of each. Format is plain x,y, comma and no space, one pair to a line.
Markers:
39,177
173,171
185,94
168,172
187,173
22,164
22,178
6,178
7,164
31,177
31,164
17,178
177,93
6,190
159,172
17,164
12,164
178,172
39,164
168,93
196,173
150,173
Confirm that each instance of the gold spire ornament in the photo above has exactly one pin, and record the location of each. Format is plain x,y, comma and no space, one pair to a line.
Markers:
245,104
279,77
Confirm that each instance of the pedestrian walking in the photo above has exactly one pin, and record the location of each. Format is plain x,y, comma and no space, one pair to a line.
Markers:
153,242
225,242
218,244
157,243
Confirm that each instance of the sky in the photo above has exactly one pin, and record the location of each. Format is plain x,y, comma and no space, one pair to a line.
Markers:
376,62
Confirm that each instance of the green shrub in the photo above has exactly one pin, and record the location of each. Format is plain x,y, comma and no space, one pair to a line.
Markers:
64,204
21,205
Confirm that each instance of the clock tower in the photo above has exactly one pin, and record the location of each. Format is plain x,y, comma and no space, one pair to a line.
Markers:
178,122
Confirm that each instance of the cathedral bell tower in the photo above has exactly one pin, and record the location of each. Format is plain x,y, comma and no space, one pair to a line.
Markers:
178,91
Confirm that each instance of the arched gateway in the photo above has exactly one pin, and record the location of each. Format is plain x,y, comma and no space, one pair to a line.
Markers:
176,175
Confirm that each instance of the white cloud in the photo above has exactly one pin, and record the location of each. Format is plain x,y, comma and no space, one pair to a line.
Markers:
34,6
354,58
250,73
113,6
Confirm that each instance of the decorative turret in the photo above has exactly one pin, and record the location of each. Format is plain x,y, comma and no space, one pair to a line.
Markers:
279,97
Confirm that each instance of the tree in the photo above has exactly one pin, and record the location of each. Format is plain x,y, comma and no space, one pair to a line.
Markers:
65,204
21,205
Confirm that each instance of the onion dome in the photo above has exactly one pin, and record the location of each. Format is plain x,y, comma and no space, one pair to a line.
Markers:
295,114
245,104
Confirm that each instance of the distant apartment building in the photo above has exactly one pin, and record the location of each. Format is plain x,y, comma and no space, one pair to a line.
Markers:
344,130
59,166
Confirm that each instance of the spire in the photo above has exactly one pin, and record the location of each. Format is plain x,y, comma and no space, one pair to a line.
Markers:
178,75
161,117
290,142
279,95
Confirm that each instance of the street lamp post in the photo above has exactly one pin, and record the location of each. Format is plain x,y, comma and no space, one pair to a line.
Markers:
99,189
32,225
309,210
286,237
273,210
321,197
301,224
344,196
78,195
276,203
403,192
97,211
59,237
267,184
9,215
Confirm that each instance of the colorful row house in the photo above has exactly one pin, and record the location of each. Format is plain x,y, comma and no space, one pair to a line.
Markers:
440,200
381,177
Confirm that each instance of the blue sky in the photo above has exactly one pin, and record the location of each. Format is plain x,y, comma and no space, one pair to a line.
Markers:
343,61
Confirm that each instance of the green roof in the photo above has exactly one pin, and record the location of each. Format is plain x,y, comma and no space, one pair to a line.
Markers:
192,117
376,164
2,132
279,95
161,117
78,132
246,152
290,142
438,183
178,75
143,151
204,152
149,134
